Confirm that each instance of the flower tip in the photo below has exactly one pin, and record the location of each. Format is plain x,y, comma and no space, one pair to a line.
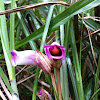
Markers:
13,52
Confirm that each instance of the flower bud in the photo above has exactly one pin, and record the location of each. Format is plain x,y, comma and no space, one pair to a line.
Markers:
43,94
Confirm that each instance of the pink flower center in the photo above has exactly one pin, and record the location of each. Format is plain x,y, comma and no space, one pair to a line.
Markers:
55,51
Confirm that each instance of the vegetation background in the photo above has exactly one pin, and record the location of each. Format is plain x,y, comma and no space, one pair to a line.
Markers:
77,27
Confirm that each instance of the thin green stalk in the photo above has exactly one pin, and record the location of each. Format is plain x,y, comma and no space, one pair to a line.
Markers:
64,75
96,92
12,24
12,44
35,84
18,32
81,40
41,49
5,42
76,63
96,80
71,72
64,81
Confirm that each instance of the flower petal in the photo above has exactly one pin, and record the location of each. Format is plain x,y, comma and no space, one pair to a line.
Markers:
63,55
47,46
52,54
48,53
30,57
27,57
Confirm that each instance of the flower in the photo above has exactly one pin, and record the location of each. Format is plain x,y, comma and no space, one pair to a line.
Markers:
30,57
43,94
26,57
55,51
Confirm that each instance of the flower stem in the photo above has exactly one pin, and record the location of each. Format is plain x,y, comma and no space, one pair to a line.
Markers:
59,83
54,83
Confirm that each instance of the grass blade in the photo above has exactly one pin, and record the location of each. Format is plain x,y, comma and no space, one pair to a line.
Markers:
76,63
41,49
12,20
5,79
64,75
96,80
71,72
5,42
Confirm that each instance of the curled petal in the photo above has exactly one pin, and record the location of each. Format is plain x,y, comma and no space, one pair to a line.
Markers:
48,53
63,54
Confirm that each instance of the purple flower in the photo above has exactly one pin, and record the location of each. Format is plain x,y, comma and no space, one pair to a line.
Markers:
55,51
23,57
30,57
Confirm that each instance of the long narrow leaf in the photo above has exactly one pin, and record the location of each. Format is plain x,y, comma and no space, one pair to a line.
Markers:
96,80
64,75
62,18
5,42
76,63
12,20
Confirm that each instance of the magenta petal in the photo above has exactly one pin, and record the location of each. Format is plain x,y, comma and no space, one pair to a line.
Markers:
14,56
23,57
63,55
14,52
48,53
62,47
47,46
